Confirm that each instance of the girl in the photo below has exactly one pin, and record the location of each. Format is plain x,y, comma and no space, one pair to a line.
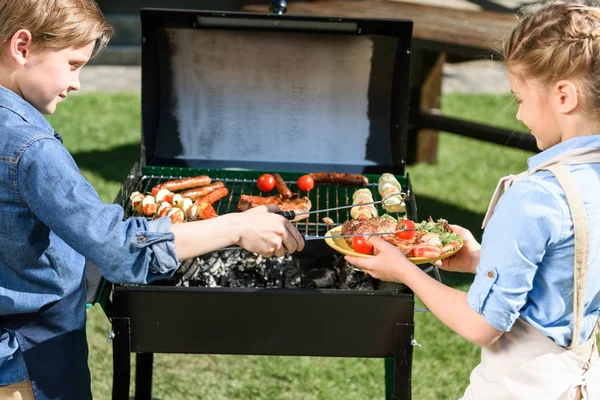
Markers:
52,218
535,300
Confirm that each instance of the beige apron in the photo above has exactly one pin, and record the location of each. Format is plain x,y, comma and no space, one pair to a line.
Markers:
523,363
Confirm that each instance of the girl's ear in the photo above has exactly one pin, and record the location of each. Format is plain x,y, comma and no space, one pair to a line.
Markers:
20,46
565,96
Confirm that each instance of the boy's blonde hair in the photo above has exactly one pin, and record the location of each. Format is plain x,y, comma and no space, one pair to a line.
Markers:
556,40
56,24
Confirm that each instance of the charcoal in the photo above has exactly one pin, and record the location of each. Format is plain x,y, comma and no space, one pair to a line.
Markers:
242,269
322,278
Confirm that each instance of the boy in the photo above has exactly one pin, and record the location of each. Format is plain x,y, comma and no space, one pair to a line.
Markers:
52,218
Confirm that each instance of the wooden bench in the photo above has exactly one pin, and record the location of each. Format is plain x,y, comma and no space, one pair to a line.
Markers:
440,34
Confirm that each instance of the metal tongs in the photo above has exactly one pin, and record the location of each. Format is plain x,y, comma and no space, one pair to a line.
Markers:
292,214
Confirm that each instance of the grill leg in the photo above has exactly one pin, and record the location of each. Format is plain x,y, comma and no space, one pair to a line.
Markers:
121,362
398,369
143,376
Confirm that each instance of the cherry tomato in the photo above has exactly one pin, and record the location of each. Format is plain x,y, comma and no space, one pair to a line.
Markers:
265,183
404,224
360,245
306,183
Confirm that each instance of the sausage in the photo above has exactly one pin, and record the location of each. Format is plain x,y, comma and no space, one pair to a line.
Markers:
213,196
340,178
202,191
281,186
184,183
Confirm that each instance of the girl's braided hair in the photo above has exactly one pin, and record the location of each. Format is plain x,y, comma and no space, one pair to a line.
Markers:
558,39
56,24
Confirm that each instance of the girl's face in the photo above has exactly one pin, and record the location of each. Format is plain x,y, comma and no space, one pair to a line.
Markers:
535,110
49,76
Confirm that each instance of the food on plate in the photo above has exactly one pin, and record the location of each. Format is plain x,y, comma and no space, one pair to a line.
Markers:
340,178
361,245
298,205
215,196
430,240
184,183
202,191
362,212
265,182
388,185
408,231
305,182
282,187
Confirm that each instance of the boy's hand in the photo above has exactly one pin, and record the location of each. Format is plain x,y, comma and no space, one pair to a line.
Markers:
389,265
266,233
467,258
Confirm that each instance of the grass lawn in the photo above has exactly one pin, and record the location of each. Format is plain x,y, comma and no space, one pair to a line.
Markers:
102,131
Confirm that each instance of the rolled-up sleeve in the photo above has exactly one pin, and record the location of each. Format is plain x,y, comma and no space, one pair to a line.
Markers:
527,220
126,251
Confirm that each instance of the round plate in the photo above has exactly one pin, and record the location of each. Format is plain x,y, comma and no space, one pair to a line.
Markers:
341,246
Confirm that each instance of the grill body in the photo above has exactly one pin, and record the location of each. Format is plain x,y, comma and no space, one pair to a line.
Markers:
348,113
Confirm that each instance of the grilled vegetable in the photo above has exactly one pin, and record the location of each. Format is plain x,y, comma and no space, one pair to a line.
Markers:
363,212
265,182
387,185
305,183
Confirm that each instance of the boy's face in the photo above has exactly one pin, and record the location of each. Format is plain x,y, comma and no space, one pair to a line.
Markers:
48,76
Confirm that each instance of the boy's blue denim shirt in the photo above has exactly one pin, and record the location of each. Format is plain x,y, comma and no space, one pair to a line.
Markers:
52,220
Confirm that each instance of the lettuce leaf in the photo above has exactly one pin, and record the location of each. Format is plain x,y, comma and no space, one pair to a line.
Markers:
442,228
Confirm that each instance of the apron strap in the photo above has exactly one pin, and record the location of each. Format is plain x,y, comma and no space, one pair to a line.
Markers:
576,156
582,244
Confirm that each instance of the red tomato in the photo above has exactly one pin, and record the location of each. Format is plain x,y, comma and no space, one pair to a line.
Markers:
360,245
427,251
405,235
265,183
306,183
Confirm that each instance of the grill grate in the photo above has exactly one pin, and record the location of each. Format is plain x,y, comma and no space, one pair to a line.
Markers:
322,196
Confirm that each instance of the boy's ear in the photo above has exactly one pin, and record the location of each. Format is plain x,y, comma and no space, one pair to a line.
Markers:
566,96
20,46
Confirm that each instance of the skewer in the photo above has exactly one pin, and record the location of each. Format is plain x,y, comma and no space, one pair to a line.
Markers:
292,214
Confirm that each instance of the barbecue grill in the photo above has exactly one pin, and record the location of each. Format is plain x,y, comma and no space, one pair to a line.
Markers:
235,95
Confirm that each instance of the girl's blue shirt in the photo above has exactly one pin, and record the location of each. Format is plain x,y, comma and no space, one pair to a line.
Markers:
527,253
52,220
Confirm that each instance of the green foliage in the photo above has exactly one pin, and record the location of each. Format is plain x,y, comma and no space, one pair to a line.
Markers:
103,133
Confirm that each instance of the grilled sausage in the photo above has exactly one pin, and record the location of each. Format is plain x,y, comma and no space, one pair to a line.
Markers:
184,183
342,179
213,196
202,191
281,186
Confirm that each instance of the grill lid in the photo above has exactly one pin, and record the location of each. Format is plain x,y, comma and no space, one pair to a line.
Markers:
274,92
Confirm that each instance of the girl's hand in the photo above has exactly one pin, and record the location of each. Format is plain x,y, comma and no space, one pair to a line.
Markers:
467,258
389,265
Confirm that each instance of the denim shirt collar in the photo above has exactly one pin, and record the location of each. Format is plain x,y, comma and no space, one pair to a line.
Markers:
12,101
579,142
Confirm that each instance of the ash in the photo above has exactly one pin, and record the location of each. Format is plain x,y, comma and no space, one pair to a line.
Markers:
242,269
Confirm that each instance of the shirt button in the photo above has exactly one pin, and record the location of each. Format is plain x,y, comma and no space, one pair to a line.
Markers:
141,239
490,274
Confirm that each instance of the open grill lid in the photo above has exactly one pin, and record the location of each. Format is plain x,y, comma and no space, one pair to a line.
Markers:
274,92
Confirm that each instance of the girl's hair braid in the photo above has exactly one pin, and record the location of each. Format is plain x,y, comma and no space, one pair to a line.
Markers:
555,40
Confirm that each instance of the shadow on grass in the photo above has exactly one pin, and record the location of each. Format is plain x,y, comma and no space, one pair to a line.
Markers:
111,164
427,206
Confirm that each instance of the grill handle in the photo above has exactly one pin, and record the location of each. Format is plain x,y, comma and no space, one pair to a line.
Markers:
287,214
